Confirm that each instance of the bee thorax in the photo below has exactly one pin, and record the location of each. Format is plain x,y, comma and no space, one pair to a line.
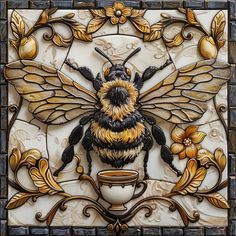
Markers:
118,96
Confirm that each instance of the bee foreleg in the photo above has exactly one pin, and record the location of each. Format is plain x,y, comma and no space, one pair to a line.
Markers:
85,71
160,138
151,70
74,138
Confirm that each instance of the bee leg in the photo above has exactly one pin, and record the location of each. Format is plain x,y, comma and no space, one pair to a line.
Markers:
87,144
148,143
160,138
138,81
151,70
97,82
74,138
87,74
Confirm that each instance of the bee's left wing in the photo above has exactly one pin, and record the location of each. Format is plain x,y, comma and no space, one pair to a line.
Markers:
53,97
182,96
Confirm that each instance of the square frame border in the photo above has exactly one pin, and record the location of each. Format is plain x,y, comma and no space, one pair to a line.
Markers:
6,230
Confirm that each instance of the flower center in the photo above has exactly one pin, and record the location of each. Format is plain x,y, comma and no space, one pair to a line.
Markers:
187,141
118,13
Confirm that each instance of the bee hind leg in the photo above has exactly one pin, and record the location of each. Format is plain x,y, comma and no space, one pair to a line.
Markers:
160,138
74,138
148,143
87,144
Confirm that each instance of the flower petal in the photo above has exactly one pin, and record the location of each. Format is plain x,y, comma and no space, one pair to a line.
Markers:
178,134
182,154
114,20
176,148
191,129
109,11
191,151
127,11
118,6
197,137
122,19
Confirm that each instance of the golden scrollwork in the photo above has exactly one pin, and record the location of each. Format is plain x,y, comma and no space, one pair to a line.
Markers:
196,170
208,45
118,14
27,47
40,174
26,44
188,184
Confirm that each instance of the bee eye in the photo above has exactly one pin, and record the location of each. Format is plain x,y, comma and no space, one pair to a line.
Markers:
107,72
128,71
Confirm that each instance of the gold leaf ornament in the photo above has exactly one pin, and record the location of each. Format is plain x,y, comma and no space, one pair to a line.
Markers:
98,21
137,13
188,174
19,199
191,179
140,24
217,29
61,41
155,32
28,158
43,179
80,32
205,157
217,200
220,158
176,41
17,25
44,17
190,15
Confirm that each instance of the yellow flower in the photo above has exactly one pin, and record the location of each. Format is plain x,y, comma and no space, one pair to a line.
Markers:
186,141
118,13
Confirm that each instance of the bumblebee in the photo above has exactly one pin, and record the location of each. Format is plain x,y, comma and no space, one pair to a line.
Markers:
117,113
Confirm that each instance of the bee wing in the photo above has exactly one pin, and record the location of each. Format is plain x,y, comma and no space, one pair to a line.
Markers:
182,96
53,97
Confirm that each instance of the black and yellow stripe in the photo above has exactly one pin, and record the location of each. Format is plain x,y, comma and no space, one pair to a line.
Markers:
117,143
118,128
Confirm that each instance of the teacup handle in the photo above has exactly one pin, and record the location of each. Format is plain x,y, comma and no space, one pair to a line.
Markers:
138,185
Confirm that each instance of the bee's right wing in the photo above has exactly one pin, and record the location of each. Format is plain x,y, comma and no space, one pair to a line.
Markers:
181,97
53,97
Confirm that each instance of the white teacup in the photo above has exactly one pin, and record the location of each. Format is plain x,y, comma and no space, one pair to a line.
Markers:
117,187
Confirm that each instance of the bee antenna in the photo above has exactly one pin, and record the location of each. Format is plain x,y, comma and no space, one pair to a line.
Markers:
103,54
131,55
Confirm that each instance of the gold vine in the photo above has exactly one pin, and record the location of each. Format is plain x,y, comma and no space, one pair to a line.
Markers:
26,44
188,184
187,145
27,47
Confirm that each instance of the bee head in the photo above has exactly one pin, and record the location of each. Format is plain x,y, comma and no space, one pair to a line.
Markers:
117,71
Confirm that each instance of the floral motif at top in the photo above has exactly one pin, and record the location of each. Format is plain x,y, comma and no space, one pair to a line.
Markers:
118,13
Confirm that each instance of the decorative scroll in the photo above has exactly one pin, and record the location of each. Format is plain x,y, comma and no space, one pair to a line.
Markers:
26,44
210,42
27,47
188,184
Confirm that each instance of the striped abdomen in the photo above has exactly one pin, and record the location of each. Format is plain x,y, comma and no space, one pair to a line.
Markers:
117,142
